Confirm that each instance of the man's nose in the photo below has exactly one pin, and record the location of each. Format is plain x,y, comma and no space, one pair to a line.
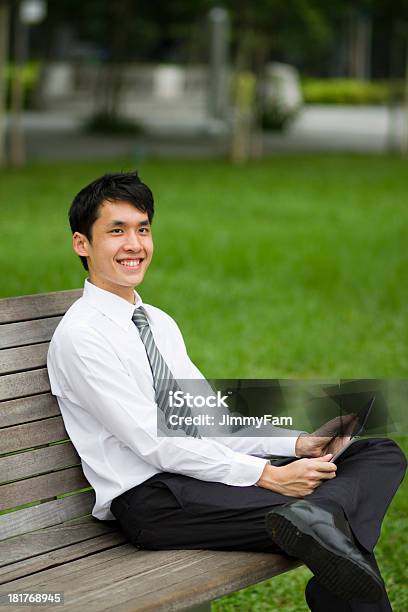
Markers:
132,243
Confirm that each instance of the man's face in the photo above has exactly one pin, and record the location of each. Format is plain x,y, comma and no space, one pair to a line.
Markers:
121,248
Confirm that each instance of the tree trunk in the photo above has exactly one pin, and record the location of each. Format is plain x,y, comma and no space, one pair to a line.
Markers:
4,30
243,116
17,145
360,46
394,142
243,99
253,48
404,145
112,82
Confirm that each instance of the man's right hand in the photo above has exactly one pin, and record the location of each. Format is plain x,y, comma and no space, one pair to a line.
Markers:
299,478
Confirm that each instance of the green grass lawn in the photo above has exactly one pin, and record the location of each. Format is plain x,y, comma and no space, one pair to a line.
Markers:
290,267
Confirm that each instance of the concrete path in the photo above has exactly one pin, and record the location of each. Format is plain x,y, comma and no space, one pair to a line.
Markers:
54,135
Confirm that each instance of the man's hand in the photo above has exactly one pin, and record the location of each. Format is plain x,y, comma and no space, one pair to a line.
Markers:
299,478
329,438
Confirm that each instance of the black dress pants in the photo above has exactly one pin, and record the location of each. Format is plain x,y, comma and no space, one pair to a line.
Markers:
172,511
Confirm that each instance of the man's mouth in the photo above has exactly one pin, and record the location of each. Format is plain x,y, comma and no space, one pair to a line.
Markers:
130,263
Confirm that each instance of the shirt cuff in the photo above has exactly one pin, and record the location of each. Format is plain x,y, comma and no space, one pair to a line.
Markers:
284,446
246,471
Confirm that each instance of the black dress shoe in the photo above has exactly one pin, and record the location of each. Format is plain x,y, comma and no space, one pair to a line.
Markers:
309,533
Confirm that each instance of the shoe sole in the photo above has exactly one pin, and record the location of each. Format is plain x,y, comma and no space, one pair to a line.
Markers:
341,575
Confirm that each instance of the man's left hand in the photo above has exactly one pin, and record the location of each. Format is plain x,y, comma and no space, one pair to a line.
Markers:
328,439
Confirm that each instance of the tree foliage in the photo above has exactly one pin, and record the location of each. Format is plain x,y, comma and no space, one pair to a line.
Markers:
304,32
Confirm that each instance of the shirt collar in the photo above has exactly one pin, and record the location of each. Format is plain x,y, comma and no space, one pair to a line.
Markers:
112,306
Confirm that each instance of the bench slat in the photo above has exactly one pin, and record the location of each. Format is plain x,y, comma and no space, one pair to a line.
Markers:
62,555
51,538
29,332
23,358
34,462
26,409
38,306
41,487
152,580
46,514
33,434
24,383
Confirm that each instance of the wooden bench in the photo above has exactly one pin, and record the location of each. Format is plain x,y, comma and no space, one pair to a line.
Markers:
54,544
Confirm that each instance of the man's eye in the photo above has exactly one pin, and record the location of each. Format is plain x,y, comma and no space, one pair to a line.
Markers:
145,230
114,231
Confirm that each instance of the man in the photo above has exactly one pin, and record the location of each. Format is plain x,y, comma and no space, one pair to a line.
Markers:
105,362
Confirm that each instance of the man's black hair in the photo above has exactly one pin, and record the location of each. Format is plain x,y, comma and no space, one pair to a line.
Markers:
110,187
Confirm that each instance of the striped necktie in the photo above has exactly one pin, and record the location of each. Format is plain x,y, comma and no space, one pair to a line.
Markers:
163,379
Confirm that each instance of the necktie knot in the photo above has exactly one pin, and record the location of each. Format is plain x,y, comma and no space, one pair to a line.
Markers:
139,318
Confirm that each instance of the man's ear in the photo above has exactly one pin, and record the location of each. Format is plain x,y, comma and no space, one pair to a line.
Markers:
80,244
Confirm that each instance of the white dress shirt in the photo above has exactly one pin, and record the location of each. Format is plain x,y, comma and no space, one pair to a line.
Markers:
101,376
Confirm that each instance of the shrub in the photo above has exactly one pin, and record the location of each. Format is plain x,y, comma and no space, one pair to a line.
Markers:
277,118
105,123
30,75
350,91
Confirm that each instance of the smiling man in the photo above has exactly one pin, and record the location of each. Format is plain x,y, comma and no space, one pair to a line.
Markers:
105,362
117,244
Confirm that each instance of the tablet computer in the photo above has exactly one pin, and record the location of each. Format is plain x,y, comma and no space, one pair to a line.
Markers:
358,428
